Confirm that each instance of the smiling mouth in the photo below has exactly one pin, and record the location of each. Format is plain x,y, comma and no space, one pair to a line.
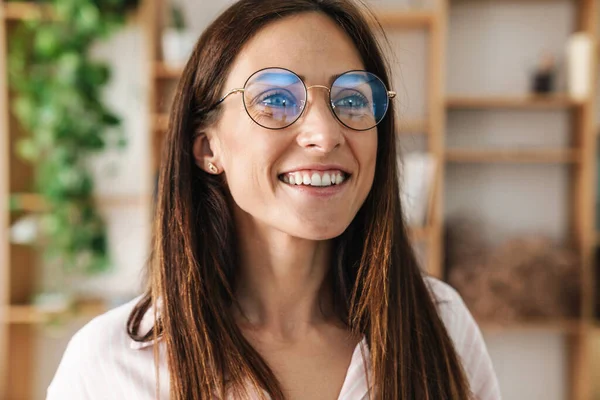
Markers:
315,178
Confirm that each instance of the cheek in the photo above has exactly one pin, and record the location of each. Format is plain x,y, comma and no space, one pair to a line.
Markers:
365,151
248,155
235,136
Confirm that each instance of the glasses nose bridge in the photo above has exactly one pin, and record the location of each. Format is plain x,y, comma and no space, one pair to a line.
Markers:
304,102
319,87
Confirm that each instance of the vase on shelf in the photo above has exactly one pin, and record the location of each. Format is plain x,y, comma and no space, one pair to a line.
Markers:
177,39
579,53
177,46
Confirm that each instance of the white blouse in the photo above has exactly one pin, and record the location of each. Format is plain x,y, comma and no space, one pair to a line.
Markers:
103,362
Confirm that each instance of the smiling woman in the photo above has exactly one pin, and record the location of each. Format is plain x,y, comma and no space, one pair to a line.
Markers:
281,265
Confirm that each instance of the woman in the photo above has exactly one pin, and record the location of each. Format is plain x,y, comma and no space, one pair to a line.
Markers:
281,265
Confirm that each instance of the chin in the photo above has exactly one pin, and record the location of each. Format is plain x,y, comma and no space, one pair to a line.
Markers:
319,232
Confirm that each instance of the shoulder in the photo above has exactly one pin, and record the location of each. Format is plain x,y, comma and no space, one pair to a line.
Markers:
106,330
457,319
441,290
467,338
93,352
451,306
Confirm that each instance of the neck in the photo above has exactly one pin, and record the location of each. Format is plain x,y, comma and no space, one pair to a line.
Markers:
281,286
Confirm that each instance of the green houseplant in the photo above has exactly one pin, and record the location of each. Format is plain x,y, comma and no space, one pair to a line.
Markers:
57,88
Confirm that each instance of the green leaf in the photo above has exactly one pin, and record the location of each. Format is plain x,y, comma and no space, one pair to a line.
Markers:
24,108
47,42
27,149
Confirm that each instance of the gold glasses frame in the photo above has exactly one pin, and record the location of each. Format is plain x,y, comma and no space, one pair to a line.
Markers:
390,95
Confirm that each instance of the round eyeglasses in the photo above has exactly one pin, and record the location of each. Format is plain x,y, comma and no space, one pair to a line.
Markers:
275,98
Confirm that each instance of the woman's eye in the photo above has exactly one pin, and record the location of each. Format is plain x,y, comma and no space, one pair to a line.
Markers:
353,101
277,100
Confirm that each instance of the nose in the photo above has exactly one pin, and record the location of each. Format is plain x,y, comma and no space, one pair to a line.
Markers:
319,129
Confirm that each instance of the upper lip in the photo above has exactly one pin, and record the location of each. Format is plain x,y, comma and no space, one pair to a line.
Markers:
317,167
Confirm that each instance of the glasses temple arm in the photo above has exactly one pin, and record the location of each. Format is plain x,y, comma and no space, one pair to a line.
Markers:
232,91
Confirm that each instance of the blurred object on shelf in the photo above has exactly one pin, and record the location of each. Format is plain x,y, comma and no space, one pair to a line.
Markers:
579,65
177,39
417,176
25,230
53,302
525,278
544,77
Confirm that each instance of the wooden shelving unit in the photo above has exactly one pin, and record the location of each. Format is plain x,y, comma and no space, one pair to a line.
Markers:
556,101
20,11
567,327
420,234
162,71
31,202
15,375
4,206
581,158
160,122
535,156
30,315
407,19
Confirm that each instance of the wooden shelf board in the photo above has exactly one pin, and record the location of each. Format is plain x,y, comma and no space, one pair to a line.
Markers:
33,202
24,10
405,19
30,314
564,326
163,71
541,156
557,101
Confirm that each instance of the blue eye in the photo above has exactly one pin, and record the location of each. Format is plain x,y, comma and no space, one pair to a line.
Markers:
354,101
278,100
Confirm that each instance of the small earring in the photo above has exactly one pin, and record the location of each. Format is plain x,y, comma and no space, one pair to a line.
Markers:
213,168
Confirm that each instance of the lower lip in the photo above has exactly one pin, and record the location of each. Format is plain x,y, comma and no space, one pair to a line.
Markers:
318,191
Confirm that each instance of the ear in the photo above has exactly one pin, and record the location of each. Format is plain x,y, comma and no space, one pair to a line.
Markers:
204,154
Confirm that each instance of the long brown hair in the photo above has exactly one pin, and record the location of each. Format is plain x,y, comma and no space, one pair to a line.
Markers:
378,288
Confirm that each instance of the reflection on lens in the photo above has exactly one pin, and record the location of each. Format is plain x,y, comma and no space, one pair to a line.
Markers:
359,99
274,97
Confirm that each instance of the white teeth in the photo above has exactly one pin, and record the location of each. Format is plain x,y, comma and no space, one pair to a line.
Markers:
315,180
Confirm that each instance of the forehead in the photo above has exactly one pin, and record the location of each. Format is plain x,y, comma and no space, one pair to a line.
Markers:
309,44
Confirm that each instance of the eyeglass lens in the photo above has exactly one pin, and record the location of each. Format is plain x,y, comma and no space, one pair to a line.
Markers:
274,98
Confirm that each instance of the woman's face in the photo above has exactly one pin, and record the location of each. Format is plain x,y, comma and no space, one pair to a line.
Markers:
259,163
